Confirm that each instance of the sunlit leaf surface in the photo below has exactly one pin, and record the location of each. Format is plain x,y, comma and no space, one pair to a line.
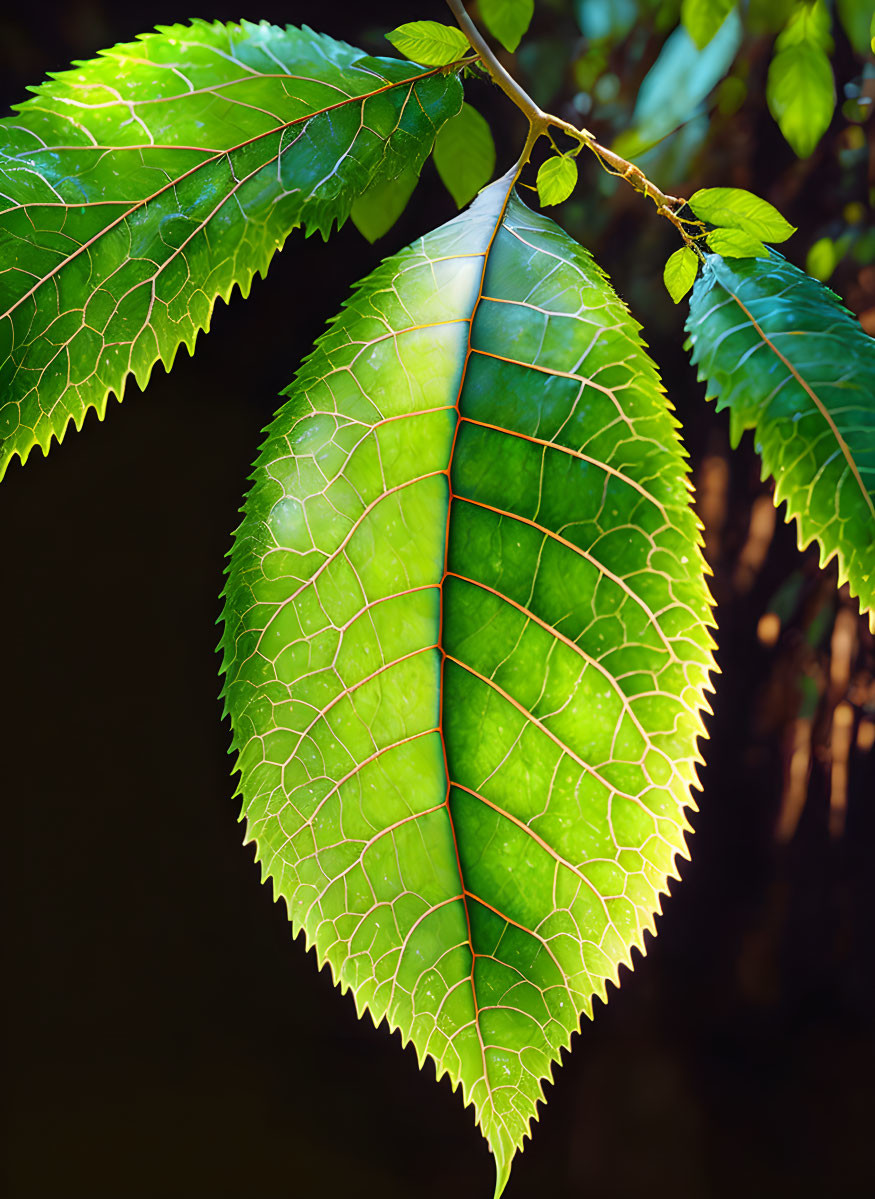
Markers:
790,362
138,188
465,650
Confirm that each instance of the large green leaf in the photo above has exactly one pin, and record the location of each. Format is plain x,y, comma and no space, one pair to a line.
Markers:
137,188
790,362
465,650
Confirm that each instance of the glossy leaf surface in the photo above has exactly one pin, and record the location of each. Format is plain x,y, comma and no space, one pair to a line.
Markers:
557,179
778,349
735,208
430,42
736,243
466,648
680,272
137,188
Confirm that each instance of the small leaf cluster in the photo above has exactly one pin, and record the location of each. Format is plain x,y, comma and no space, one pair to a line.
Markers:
741,224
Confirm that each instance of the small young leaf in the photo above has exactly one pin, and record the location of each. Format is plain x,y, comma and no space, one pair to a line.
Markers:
821,259
702,18
735,208
680,272
430,42
376,210
736,243
464,154
557,179
507,20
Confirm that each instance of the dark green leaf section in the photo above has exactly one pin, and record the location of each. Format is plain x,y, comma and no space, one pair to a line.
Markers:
790,362
465,650
138,188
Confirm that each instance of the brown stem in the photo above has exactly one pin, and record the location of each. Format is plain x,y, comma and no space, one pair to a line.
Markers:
521,98
540,122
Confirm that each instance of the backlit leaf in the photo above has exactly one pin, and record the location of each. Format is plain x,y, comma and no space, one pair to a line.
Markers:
702,18
507,20
735,208
465,650
430,42
137,188
376,210
736,243
557,179
464,154
680,272
790,362
800,90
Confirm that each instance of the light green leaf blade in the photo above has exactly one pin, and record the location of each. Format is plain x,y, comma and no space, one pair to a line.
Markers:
465,650
790,362
507,20
736,243
702,18
557,179
680,272
376,210
188,156
430,42
800,93
735,208
464,154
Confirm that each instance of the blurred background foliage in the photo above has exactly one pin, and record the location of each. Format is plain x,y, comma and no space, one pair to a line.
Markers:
165,1037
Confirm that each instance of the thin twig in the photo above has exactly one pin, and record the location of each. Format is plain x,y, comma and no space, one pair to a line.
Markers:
524,102
541,122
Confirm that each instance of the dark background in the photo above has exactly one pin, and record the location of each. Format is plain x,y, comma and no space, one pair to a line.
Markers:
165,1035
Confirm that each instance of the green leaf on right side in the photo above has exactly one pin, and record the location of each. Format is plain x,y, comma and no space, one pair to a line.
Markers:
800,89
464,154
466,649
140,187
780,351
702,18
507,20
735,208
376,210
736,243
856,16
430,42
557,179
680,272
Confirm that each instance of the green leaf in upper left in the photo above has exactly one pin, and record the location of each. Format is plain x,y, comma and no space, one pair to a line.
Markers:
138,188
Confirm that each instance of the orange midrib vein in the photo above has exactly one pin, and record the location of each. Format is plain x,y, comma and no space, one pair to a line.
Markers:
440,637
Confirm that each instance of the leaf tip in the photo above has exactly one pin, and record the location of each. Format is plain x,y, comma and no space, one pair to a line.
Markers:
502,1173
